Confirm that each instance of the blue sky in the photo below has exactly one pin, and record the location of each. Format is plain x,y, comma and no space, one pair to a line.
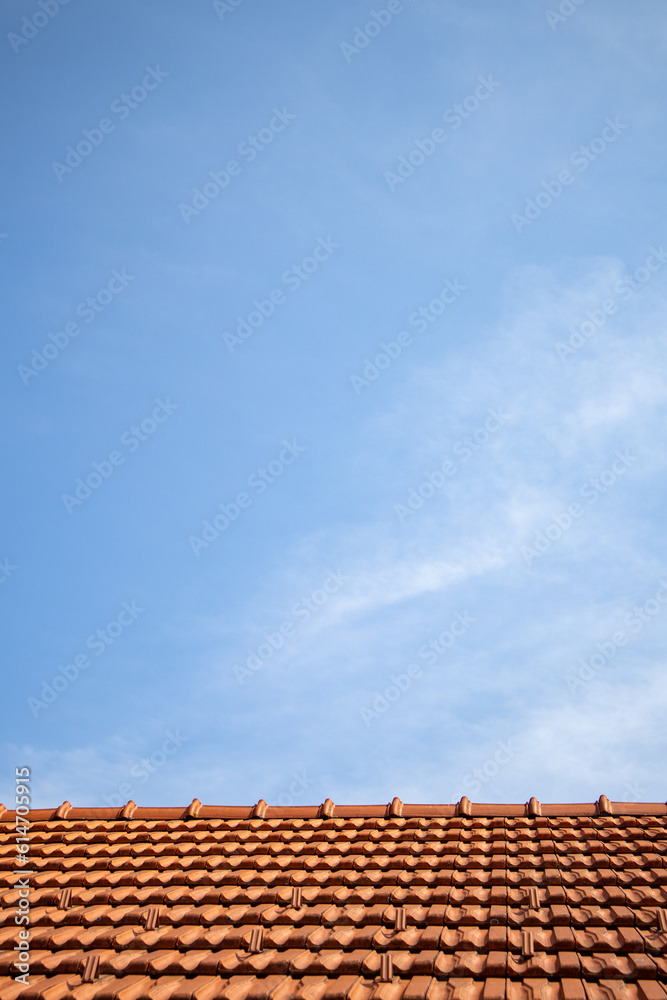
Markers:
334,392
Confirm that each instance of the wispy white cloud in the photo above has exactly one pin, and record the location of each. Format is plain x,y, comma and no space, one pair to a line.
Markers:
462,548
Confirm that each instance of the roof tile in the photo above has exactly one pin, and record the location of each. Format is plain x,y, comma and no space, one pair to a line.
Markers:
499,903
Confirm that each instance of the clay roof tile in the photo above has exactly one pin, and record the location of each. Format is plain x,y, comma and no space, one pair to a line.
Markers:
470,901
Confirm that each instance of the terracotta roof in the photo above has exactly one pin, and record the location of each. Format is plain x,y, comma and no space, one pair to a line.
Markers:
330,902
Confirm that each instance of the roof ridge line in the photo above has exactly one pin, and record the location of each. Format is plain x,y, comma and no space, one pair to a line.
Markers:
396,810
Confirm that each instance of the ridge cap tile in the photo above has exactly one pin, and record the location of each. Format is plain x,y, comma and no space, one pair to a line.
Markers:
603,808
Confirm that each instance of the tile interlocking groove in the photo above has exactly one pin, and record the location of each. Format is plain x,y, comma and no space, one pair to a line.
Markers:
397,902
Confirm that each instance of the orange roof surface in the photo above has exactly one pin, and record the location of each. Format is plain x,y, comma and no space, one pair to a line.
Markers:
420,902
